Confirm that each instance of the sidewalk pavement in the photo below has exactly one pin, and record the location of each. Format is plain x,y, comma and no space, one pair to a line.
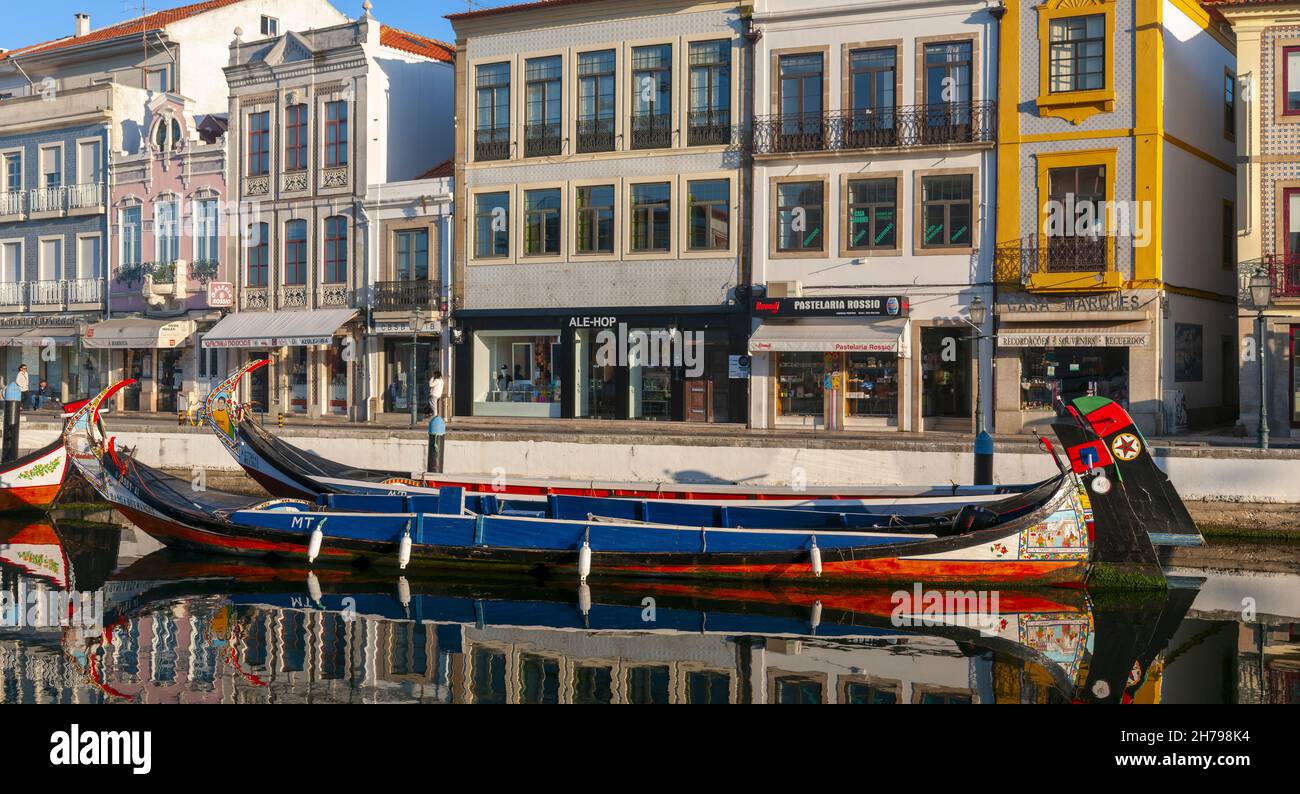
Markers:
632,431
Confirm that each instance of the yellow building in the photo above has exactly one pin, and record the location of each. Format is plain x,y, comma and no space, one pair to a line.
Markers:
1115,235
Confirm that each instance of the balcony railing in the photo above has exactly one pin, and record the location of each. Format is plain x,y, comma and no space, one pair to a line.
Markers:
492,143
877,128
411,294
1018,261
595,135
54,199
51,294
1283,270
13,203
542,140
652,131
708,128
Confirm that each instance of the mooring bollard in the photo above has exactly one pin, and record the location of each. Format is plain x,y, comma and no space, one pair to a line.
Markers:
279,419
13,414
437,435
984,459
180,418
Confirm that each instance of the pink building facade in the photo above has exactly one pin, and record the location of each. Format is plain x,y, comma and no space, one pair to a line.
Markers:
168,254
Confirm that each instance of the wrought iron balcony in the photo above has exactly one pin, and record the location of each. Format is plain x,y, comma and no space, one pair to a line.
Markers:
406,294
50,294
492,143
1282,269
542,140
652,131
877,128
1016,262
595,135
708,128
14,203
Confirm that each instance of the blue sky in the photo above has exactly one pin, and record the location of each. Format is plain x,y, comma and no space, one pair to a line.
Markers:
55,17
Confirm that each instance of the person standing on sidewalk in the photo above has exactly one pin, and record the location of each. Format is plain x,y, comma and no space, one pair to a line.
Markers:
23,382
436,387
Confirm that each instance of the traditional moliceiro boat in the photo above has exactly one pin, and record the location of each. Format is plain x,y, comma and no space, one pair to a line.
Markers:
1044,535
34,481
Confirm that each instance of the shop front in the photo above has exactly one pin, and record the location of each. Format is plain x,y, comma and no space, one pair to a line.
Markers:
50,347
312,354
1053,350
602,364
406,362
156,353
832,363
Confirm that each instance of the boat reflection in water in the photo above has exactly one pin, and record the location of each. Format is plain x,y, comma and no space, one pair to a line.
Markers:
171,628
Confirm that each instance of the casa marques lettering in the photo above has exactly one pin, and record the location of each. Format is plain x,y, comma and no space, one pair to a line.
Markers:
1074,303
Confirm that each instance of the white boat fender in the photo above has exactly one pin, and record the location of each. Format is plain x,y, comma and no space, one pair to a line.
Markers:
816,618
313,546
404,551
313,587
816,555
403,591
584,562
584,599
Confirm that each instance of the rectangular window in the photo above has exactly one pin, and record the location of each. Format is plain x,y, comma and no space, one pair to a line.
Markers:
873,214
542,222
709,118
411,249
295,253
295,138
872,78
131,236
595,219
948,82
336,133
651,214
492,225
1291,80
542,135
1230,106
88,163
492,115
52,166
799,211
596,101
259,143
13,174
709,214
270,26
51,261
11,263
167,231
336,249
947,211
1077,53
652,100
800,82
158,81
88,258
206,230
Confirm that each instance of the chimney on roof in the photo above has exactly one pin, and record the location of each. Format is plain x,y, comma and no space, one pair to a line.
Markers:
83,24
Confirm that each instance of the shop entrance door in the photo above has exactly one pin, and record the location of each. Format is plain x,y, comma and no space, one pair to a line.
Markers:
259,385
136,361
170,380
945,378
699,400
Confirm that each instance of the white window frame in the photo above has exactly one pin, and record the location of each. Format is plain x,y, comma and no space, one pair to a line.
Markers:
196,212
79,265
5,154
175,201
82,179
63,164
4,263
57,274
270,26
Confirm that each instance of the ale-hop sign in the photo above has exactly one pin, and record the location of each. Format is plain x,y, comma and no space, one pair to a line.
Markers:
842,306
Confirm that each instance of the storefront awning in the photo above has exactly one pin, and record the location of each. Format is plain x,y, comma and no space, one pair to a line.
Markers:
831,336
139,332
277,329
44,336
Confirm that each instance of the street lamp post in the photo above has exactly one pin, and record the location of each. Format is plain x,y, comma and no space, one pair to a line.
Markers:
1261,293
983,441
413,390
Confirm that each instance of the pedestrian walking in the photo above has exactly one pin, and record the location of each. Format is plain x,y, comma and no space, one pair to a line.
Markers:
23,382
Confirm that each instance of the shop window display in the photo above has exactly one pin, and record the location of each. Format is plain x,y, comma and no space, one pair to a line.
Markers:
516,373
170,380
872,385
336,371
945,373
297,362
800,387
1050,376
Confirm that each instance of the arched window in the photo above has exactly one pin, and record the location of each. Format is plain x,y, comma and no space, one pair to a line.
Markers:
258,254
167,134
336,249
295,252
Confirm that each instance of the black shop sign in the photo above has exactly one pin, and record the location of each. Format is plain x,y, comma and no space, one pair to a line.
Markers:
845,306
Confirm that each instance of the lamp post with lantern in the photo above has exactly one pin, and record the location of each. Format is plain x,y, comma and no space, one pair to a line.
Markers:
983,441
1261,294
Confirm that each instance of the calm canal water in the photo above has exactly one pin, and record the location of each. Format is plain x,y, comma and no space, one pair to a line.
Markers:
92,613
